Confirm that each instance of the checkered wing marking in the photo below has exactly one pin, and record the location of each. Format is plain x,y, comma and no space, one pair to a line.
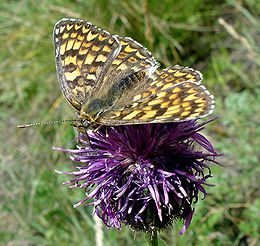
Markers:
83,54
175,75
165,103
132,58
158,81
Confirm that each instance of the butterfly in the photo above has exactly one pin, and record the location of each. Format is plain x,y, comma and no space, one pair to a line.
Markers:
112,80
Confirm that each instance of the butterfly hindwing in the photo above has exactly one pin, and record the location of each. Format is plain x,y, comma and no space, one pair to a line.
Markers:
165,100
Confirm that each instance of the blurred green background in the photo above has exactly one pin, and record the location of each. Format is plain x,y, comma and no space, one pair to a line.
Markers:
220,38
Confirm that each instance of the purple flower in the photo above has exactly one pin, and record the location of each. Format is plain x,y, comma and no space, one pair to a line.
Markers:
145,176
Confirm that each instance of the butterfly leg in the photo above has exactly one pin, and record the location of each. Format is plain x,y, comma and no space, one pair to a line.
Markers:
83,137
107,134
97,128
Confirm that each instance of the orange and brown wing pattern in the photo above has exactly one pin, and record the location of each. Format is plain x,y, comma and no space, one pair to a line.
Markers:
175,75
165,78
132,58
83,53
172,94
159,81
184,101
169,77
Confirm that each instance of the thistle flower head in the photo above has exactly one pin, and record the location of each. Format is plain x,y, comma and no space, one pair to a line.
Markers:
145,176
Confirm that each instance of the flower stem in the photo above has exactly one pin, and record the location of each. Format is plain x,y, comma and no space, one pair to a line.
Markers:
152,239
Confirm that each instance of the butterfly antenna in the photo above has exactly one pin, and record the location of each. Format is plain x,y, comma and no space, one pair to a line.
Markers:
44,123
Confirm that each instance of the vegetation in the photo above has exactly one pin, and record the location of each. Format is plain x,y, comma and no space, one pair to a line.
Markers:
219,38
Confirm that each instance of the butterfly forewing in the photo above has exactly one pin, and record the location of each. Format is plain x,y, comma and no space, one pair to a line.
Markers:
133,57
83,53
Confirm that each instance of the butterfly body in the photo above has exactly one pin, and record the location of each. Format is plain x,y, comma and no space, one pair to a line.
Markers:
101,105
112,80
